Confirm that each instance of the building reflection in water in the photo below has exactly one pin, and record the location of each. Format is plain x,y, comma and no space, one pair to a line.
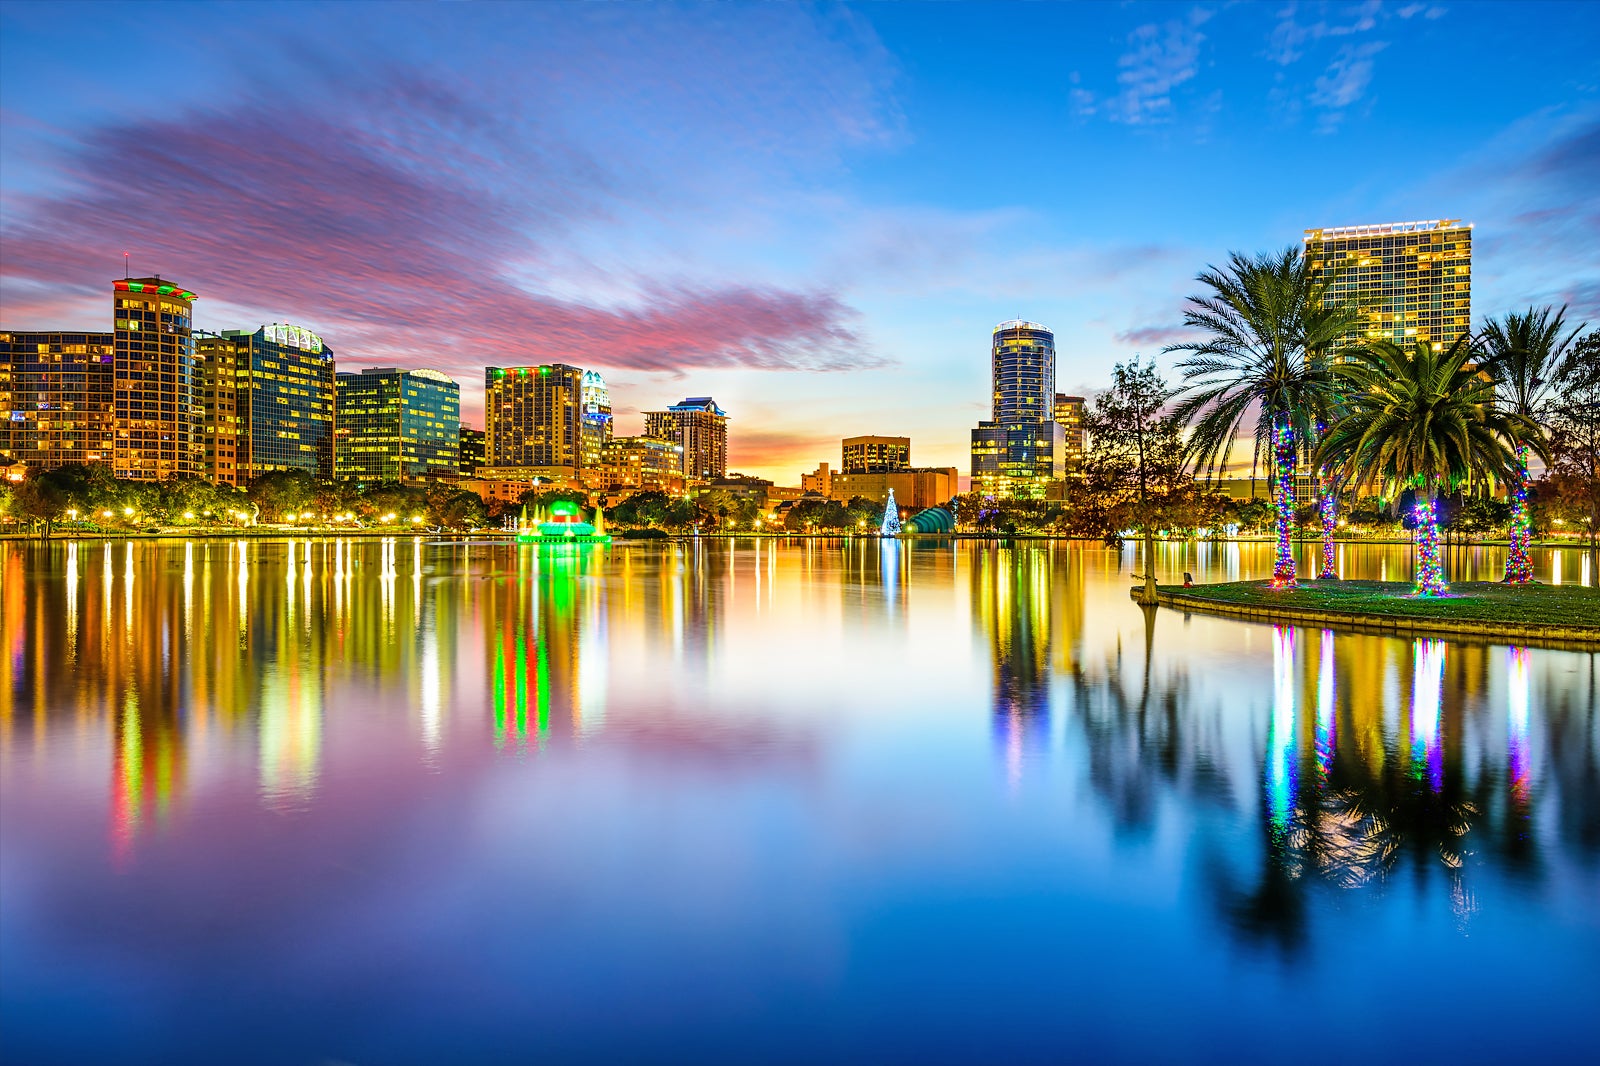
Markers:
1012,607
539,619
1353,762
1365,781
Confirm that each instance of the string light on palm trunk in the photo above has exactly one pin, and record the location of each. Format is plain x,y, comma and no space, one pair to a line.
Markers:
1330,515
1430,570
1519,566
1283,576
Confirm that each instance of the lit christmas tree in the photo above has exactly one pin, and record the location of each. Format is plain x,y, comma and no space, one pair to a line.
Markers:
891,518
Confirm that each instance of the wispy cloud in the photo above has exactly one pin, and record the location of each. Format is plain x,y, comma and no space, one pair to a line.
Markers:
436,220
1291,37
1347,75
1162,56
1344,82
1151,338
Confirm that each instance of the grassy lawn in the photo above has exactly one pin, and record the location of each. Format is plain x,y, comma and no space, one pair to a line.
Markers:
1469,601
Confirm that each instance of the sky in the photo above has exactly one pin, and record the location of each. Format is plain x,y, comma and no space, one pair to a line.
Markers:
814,213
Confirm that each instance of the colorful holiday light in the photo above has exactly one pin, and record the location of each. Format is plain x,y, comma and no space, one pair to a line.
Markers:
1283,576
1519,567
1330,512
1430,571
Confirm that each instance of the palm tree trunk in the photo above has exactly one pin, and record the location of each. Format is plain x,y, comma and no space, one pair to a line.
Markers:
1430,569
1519,566
1330,513
1283,572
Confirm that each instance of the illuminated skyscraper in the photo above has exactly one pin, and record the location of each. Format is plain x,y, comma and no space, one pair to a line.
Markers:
1069,416
533,417
269,401
1019,451
700,428
157,381
56,397
397,425
472,456
1413,279
876,455
595,429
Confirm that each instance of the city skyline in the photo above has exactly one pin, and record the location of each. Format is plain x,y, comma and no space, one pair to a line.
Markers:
826,249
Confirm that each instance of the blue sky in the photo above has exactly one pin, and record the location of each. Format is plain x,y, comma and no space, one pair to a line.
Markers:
814,213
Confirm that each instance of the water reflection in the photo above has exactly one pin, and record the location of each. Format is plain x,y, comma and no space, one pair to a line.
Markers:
800,734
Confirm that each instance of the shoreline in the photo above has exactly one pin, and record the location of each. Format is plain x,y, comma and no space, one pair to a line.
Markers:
1000,538
1412,617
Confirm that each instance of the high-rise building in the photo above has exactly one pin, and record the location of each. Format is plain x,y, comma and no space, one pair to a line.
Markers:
57,397
396,425
876,455
1413,280
533,417
638,463
1069,416
700,428
473,452
1019,451
157,381
595,428
269,399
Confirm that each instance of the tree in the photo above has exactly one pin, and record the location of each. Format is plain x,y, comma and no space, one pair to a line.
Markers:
1574,421
43,497
1134,470
1267,324
1420,419
283,494
457,509
1525,353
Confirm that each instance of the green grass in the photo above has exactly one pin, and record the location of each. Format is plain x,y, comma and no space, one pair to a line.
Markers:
1468,601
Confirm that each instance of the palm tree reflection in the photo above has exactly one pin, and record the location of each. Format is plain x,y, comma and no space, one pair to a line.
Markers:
1380,761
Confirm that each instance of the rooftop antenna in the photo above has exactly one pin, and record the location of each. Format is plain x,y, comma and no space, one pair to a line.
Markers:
126,274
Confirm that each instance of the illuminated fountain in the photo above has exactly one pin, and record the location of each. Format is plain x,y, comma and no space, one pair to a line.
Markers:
562,522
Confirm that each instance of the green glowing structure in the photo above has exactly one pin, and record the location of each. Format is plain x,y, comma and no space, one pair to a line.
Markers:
562,522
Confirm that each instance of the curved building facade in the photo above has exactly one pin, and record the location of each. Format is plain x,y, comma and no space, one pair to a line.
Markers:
1020,450
1023,367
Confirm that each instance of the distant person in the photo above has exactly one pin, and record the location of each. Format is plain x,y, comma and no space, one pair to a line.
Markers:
1188,580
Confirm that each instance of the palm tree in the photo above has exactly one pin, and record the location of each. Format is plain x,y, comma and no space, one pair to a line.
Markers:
1421,419
1267,327
1526,352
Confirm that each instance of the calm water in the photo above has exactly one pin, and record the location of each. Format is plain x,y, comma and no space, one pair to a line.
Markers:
414,802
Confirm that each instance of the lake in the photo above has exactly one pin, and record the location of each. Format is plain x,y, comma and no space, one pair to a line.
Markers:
407,801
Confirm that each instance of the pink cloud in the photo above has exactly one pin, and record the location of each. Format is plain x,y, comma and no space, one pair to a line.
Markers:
398,237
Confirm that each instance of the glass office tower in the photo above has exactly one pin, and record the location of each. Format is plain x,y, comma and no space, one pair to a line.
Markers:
1413,279
1020,450
397,425
269,402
